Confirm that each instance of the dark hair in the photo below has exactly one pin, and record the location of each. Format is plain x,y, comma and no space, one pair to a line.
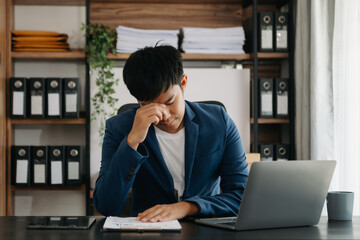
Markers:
150,71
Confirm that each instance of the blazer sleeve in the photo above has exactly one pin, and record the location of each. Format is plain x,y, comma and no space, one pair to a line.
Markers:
119,166
233,172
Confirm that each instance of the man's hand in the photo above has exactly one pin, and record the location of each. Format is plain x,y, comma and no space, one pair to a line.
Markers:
167,212
145,116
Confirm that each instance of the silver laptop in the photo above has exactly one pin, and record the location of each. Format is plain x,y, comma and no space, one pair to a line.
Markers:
280,194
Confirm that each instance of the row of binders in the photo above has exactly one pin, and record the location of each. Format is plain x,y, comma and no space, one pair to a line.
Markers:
272,32
44,97
46,166
273,98
279,152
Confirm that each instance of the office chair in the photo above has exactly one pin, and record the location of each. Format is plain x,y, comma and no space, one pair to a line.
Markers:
128,106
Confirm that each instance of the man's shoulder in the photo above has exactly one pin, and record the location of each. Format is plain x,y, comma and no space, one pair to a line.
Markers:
206,108
209,115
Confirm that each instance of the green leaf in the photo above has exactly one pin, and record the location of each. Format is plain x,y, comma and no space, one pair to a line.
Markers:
101,42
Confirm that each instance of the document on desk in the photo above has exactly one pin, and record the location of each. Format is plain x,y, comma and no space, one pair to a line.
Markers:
130,224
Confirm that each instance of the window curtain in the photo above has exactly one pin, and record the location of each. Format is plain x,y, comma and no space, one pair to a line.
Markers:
327,82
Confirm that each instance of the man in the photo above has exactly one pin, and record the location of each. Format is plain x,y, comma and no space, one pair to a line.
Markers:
174,154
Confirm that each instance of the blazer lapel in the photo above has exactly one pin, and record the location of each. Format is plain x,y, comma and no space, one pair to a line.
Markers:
165,178
191,139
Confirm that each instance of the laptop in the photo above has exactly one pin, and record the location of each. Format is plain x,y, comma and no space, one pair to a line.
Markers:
280,194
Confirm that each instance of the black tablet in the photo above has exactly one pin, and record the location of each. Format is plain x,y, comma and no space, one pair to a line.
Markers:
70,223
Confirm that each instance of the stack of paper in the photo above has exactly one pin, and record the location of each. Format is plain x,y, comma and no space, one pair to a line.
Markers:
213,40
130,224
39,41
131,39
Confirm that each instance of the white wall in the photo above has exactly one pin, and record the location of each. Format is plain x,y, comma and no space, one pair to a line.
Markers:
63,20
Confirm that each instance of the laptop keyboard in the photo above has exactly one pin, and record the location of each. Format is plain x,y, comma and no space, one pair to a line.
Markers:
226,221
229,223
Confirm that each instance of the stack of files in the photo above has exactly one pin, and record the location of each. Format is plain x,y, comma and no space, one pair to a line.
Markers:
228,40
39,41
131,39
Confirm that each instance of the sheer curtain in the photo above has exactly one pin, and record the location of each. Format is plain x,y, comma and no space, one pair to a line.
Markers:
346,79
327,82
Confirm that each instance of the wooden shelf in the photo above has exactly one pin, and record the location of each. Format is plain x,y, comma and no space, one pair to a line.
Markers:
187,56
51,2
59,121
171,1
272,55
277,3
271,120
47,188
72,54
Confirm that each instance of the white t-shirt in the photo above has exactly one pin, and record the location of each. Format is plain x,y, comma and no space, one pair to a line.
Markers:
172,147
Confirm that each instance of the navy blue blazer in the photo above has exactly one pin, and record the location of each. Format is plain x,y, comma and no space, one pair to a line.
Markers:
214,159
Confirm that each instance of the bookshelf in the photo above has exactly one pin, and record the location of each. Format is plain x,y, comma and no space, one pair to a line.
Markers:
3,49
174,14
74,56
147,14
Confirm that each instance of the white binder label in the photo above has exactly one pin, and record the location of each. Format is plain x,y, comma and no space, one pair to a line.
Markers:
71,103
22,171
56,172
266,103
282,104
53,104
39,173
281,39
266,159
73,171
36,105
267,38
18,103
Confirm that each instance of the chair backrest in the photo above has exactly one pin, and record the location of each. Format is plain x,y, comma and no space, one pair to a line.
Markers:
128,106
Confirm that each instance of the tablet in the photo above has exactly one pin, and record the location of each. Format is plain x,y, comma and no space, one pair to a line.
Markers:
70,223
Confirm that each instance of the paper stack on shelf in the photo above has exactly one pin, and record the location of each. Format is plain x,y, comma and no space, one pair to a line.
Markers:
213,40
39,41
131,39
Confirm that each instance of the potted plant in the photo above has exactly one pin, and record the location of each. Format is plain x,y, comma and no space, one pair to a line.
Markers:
100,42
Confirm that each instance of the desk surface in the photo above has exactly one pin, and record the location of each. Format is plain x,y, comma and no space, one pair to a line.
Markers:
14,228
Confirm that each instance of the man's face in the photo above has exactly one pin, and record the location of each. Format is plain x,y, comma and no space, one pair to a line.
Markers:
174,101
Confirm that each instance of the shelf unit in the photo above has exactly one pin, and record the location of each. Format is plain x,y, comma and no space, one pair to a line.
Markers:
258,126
174,14
3,107
160,14
72,56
